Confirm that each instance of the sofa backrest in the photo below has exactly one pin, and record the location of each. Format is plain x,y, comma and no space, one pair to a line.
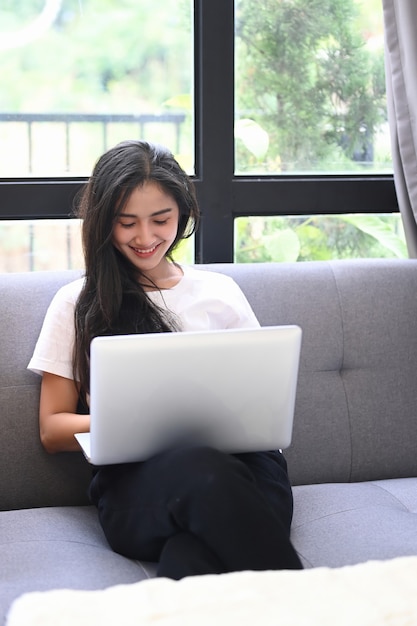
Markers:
29,477
356,406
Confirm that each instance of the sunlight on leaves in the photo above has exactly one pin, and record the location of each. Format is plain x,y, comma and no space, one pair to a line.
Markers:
282,246
253,136
381,231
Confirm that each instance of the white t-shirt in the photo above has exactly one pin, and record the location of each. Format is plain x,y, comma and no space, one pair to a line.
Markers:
201,300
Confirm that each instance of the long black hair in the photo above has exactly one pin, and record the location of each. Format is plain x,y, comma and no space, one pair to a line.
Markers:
112,300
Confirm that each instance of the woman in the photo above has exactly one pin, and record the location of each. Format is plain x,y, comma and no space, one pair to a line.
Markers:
195,510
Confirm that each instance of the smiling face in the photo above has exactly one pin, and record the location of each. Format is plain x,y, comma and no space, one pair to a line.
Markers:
145,230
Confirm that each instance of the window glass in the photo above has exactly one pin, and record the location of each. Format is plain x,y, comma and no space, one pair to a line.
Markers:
310,87
77,76
40,245
318,237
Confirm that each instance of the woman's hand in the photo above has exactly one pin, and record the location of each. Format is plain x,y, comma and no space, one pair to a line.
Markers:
58,420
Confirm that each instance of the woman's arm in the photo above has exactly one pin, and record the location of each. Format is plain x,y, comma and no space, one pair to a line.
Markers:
58,420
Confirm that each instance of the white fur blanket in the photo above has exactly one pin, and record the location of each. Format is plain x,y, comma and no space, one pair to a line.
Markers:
376,593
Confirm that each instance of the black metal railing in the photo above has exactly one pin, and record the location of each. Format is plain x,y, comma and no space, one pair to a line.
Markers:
141,121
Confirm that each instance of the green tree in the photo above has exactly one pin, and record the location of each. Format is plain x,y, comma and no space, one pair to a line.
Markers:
305,75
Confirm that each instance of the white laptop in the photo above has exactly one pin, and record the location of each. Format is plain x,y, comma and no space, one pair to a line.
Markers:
230,389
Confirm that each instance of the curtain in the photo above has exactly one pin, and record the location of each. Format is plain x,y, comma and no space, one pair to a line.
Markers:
400,22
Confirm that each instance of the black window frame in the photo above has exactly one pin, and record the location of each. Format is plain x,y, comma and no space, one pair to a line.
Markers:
223,196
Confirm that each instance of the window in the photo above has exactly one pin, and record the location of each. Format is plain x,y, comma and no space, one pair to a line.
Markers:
310,101
77,77
141,83
80,75
310,88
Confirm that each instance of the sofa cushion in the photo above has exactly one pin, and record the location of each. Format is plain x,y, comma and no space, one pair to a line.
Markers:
58,547
342,524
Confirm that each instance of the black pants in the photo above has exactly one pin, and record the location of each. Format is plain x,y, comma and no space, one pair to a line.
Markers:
199,511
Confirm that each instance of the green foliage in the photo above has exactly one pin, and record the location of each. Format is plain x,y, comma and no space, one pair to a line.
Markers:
99,56
318,238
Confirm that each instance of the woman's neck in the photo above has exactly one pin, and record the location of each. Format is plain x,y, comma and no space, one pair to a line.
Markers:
166,279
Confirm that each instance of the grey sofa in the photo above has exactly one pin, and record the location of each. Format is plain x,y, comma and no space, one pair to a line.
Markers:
353,460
